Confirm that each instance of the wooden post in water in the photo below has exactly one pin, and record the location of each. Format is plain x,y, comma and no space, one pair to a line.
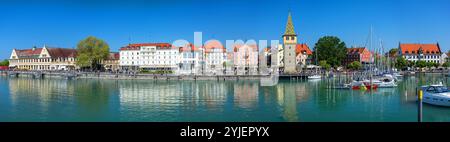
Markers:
419,101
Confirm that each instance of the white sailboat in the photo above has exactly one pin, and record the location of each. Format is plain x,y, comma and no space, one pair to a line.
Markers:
316,76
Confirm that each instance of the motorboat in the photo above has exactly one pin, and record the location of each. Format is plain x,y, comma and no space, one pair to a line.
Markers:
436,95
387,81
315,77
362,85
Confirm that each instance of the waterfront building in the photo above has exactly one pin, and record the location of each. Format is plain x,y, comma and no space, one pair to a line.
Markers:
214,57
359,54
426,52
444,58
245,58
191,57
291,55
45,58
302,53
230,63
112,62
150,56
289,47
447,58
264,60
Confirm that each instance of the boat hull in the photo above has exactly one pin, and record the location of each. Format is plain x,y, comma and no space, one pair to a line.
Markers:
436,99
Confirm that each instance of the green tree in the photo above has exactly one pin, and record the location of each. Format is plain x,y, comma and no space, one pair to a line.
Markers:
4,63
330,49
421,64
401,63
91,51
325,65
446,64
411,64
393,51
355,65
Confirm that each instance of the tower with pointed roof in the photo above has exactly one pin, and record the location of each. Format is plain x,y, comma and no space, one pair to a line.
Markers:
289,46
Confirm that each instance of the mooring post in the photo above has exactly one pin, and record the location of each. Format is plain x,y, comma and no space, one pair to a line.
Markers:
420,96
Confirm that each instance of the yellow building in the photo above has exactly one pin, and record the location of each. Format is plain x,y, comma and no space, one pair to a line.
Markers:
44,58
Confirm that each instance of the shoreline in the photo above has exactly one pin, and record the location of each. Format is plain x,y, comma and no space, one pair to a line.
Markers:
110,76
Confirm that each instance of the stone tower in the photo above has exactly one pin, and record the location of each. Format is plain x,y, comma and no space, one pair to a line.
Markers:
289,45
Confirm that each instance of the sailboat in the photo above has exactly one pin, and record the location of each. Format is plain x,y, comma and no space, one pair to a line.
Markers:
315,76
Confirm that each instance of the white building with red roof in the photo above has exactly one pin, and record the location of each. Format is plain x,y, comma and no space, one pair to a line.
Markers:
302,52
149,56
45,58
246,58
190,60
214,57
425,52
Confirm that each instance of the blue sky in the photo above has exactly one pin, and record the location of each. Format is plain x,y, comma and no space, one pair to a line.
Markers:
24,24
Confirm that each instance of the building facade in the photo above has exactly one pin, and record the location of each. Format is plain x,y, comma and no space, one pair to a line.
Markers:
302,53
150,56
245,59
45,58
191,57
424,52
359,54
214,57
112,62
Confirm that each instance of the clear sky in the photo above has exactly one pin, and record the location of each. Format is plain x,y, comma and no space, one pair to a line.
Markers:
24,24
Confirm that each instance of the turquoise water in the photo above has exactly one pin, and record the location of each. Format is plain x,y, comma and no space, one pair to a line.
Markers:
26,99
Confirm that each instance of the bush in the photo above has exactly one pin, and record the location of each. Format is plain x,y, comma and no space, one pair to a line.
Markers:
4,63
446,64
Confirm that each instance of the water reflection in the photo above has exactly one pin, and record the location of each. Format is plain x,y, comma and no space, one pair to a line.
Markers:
145,100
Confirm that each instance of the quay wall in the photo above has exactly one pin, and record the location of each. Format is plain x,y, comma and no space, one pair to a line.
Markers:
168,77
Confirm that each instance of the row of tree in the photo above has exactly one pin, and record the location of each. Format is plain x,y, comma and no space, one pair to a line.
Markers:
331,52
402,64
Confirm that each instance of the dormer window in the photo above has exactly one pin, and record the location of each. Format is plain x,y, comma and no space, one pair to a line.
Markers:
406,52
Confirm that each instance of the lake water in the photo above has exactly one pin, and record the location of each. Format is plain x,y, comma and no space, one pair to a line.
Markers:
26,99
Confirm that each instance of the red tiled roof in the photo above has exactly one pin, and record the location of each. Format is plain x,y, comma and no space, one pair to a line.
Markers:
302,48
214,44
414,48
355,50
137,46
188,48
114,56
54,52
62,52
237,46
28,52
